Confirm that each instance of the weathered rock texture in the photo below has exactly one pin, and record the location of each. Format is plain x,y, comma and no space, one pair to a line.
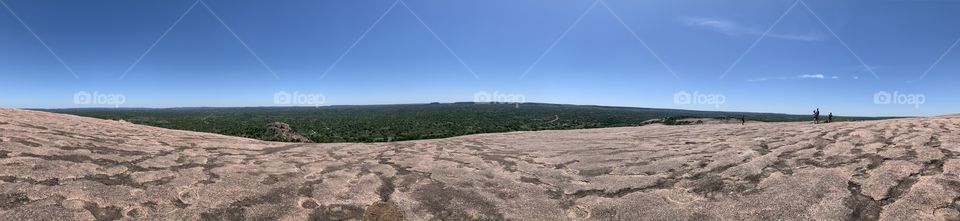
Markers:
65,167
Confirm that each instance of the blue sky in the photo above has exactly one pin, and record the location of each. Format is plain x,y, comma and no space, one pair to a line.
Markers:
759,55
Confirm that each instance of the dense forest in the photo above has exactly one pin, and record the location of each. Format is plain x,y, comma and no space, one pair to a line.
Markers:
378,123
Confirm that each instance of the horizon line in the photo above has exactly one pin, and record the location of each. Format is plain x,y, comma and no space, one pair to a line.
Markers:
463,102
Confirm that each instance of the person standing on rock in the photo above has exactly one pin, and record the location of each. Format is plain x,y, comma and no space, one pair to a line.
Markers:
743,120
830,118
816,116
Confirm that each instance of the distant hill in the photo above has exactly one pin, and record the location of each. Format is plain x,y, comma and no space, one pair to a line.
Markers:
378,123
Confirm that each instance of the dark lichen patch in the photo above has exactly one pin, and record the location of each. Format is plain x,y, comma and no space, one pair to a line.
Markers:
607,213
818,154
508,165
11,200
932,167
188,166
150,204
383,211
71,158
115,180
506,195
25,142
99,147
440,201
103,213
856,151
237,210
309,204
337,212
707,184
460,163
336,168
949,183
895,192
596,171
158,182
702,163
106,149
270,180
47,182
207,181
875,160
606,194
179,203
306,189
641,163
406,176
135,213
934,142
556,194
763,149
829,162
281,149
33,126
757,178
862,206
386,188
532,180
565,164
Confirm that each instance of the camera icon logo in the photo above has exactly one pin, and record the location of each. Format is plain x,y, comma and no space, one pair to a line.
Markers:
882,97
682,97
482,97
82,97
282,98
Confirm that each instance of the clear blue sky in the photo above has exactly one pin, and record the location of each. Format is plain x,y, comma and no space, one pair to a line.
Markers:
799,64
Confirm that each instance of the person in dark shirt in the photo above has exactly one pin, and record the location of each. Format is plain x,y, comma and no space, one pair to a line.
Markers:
816,116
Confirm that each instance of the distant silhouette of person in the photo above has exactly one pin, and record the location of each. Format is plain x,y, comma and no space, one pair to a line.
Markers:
816,116
830,118
743,120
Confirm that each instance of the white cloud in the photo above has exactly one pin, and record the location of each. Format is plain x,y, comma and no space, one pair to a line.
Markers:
806,76
798,77
732,28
